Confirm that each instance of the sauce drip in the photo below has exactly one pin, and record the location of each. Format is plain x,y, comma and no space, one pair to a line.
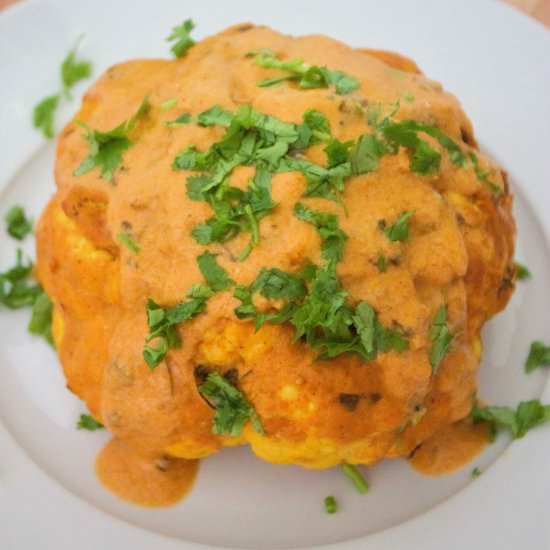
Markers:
451,448
146,480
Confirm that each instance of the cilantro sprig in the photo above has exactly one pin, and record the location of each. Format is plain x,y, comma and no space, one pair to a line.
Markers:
441,337
315,303
517,422
305,75
232,409
539,356
106,148
89,423
180,36
72,71
18,225
399,230
163,322
522,271
18,290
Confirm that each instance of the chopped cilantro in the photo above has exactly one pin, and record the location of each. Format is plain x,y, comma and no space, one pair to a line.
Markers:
407,95
87,422
318,124
232,409
72,71
441,338
331,506
353,473
316,307
539,356
332,237
168,105
181,39
522,272
16,289
476,472
41,319
518,422
483,175
128,242
366,154
215,276
216,116
382,263
399,231
307,76
43,115
106,148
17,224
181,120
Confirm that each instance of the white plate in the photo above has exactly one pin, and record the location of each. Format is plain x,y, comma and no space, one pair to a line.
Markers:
498,62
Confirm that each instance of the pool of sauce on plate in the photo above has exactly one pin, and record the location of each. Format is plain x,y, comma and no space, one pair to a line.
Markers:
144,479
451,448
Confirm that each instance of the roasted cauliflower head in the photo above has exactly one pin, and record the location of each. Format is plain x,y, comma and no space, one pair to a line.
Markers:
246,248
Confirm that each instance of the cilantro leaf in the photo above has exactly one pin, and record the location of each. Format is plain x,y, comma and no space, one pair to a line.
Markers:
128,242
215,276
215,116
43,115
528,415
483,175
318,124
366,154
441,338
539,356
41,319
73,71
232,409
181,120
16,290
307,76
382,263
106,148
87,422
399,230
522,272
181,39
333,238
17,224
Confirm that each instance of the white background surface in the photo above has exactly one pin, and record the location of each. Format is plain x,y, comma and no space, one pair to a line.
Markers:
498,63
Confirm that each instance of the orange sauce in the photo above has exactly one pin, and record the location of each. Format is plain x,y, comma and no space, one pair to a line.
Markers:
451,448
146,480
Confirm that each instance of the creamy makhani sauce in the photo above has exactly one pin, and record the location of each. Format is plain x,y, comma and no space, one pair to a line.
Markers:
144,479
451,448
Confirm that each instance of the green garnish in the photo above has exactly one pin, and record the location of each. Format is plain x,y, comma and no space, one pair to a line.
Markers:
87,422
522,272
181,120
128,242
17,224
539,356
16,289
399,231
483,175
528,415
72,71
366,154
168,105
307,76
356,477
163,323
331,506
41,318
476,472
232,409
316,307
332,237
382,263
407,95
215,276
106,148
441,338
43,115
181,39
